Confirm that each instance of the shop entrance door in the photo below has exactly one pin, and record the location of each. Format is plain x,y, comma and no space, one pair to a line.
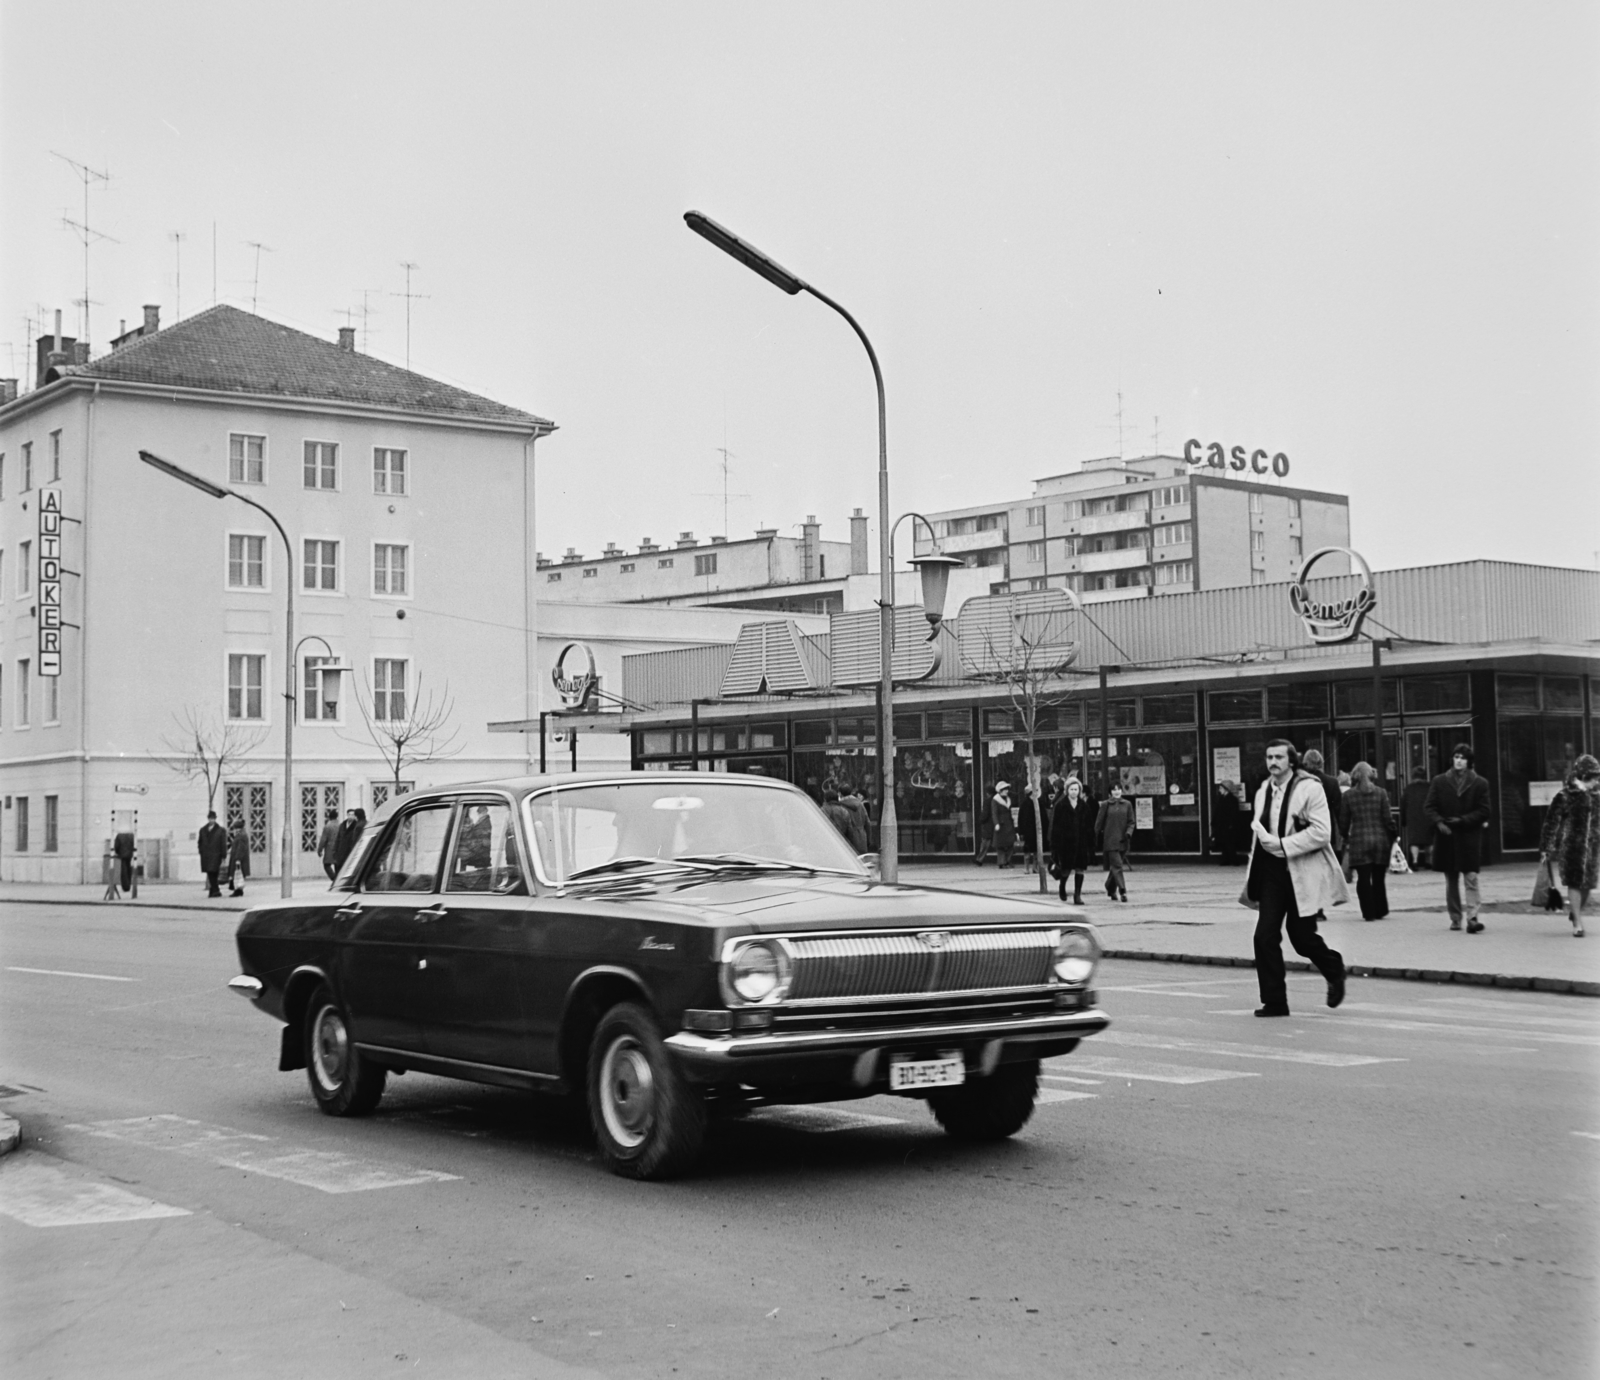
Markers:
317,798
251,801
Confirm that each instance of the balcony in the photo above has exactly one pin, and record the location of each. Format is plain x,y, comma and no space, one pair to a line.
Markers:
1109,522
1096,562
968,541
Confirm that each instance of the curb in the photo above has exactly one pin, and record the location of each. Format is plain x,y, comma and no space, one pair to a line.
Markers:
125,905
10,1134
1572,986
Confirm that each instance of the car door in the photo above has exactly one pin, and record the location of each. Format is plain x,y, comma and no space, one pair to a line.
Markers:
483,946
384,928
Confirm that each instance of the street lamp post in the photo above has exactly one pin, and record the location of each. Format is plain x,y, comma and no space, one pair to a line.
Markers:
219,491
768,268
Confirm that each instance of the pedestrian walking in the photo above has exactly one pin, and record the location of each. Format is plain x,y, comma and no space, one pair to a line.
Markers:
1311,764
1458,807
328,844
1230,824
238,858
1028,826
1113,833
857,809
1072,839
1366,819
213,844
350,828
1415,825
1293,877
837,815
1005,826
1571,836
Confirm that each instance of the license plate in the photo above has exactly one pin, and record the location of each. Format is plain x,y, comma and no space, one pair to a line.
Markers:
927,1073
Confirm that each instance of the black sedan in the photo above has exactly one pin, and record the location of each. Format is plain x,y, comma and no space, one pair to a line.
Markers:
665,948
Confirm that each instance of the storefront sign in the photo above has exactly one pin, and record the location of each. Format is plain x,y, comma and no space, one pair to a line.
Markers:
1542,793
1224,764
1181,798
998,747
1215,457
576,685
1144,780
49,582
1144,813
1330,623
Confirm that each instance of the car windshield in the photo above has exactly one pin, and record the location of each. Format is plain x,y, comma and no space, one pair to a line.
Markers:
634,828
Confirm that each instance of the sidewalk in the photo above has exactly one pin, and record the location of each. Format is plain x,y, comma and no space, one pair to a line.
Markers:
1190,913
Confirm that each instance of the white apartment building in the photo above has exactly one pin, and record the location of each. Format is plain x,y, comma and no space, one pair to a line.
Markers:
1128,529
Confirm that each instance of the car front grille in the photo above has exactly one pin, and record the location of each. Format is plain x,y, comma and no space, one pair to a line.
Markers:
839,968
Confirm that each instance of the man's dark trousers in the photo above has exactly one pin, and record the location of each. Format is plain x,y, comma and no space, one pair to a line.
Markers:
1278,910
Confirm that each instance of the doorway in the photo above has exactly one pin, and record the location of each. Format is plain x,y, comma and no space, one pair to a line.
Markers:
251,801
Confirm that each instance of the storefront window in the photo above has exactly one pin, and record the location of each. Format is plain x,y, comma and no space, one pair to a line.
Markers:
1298,700
855,731
1536,752
1159,772
1233,706
1437,694
908,727
1517,694
810,731
1352,699
933,798
949,723
1563,695
1168,709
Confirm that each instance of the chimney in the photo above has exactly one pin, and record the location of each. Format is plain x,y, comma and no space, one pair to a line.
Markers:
8,391
612,549
540,560
719,541
766,533
858,543
152,319
347,339
686,539
571,557
810,540
122,330
80,351
646,546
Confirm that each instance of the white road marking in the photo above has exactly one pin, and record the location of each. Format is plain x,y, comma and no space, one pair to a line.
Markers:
330,1171
1497,1016
1068,1078
40,1195
1154,1073
1061,1095
1588,1135
1241,1051
1547,1037
61,972
811,1118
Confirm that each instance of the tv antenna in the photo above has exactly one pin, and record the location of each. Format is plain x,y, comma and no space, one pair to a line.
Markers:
410,297
86,233
255,282
177,237
1155,435
725,465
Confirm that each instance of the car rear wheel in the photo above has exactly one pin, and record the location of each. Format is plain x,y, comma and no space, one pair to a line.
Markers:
989,1108
343,1081
649,1121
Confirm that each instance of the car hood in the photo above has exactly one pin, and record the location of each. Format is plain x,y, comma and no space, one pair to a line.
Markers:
790,902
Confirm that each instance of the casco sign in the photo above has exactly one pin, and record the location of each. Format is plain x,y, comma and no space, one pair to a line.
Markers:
1338,622
576,687
1216,458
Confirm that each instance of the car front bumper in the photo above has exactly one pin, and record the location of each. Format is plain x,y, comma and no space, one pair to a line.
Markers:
856,1059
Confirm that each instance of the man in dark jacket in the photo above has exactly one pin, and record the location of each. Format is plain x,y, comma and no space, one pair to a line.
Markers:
1458,808
213,843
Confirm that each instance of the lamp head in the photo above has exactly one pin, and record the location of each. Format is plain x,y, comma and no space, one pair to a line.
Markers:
747,254
178,472
934,570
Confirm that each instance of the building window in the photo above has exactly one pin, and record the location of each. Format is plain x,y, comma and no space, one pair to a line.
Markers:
388,471
1258,577
247,561
1035,551
1175,573
384,791
590,571
52,699
389,571
1036,516
55,464
991,522
1174,534
1255,500
321,565
960,527
1172,496
24,568
27,466
388,689
247,458
664,563
24,692
1294,507
321,465
321,700
1258,541
246,671
553,578
1296,550
626,567
21,811
706,565
52,824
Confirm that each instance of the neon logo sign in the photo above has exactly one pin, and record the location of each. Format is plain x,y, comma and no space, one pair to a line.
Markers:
1327,624
1217,458
575,688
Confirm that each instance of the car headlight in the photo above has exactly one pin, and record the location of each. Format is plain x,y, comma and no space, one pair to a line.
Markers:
759,972
1076,956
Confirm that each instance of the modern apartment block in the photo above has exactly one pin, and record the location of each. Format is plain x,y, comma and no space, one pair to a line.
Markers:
1127,529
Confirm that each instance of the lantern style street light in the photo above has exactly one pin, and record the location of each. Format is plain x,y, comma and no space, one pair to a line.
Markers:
935,570
220,491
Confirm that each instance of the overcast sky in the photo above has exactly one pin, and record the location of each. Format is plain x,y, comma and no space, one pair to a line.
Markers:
1364,235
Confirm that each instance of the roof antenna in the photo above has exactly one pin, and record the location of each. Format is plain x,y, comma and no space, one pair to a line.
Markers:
86,233
255,282
409,295
177,237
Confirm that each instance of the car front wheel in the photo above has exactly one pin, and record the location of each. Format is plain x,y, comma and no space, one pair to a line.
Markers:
649,1122
989,1108
343,1081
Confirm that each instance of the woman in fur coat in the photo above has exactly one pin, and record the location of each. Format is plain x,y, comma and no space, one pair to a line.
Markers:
1571,838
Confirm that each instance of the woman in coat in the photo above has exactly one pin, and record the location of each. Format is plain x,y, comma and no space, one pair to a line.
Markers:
1072,838
1571,837
238,858
1113,832
1005,826
1028,826
1366,819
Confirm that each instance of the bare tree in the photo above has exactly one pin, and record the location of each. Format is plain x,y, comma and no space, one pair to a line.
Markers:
415,730
202,749
1026,644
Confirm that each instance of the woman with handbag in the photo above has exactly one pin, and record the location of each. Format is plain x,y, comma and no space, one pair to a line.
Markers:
1366,819
1570,841
1072,839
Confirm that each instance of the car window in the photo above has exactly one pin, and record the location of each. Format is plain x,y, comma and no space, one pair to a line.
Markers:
408,859
485,856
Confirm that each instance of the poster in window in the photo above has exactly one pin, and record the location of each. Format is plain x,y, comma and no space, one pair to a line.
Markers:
1144,812
1225,764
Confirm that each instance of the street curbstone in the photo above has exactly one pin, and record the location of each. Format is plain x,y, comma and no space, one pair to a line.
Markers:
1544,984
1511,980
10,1134
1584,989
1434,975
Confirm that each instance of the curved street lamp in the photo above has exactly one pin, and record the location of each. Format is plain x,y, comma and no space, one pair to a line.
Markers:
289,647
935,569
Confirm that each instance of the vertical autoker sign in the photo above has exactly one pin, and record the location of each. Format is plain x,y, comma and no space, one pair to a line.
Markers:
49,582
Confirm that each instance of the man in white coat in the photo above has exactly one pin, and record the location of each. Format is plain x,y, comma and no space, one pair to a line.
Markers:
1293,877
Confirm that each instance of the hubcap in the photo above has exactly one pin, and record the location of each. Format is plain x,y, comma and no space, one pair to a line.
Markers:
627,1092
330,1049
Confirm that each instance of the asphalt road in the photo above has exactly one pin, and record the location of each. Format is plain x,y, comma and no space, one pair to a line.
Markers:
1405,1187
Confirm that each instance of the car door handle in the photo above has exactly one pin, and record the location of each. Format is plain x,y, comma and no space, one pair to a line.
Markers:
347,912
432,913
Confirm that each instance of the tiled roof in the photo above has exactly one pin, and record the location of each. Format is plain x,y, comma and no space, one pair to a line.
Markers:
227,350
